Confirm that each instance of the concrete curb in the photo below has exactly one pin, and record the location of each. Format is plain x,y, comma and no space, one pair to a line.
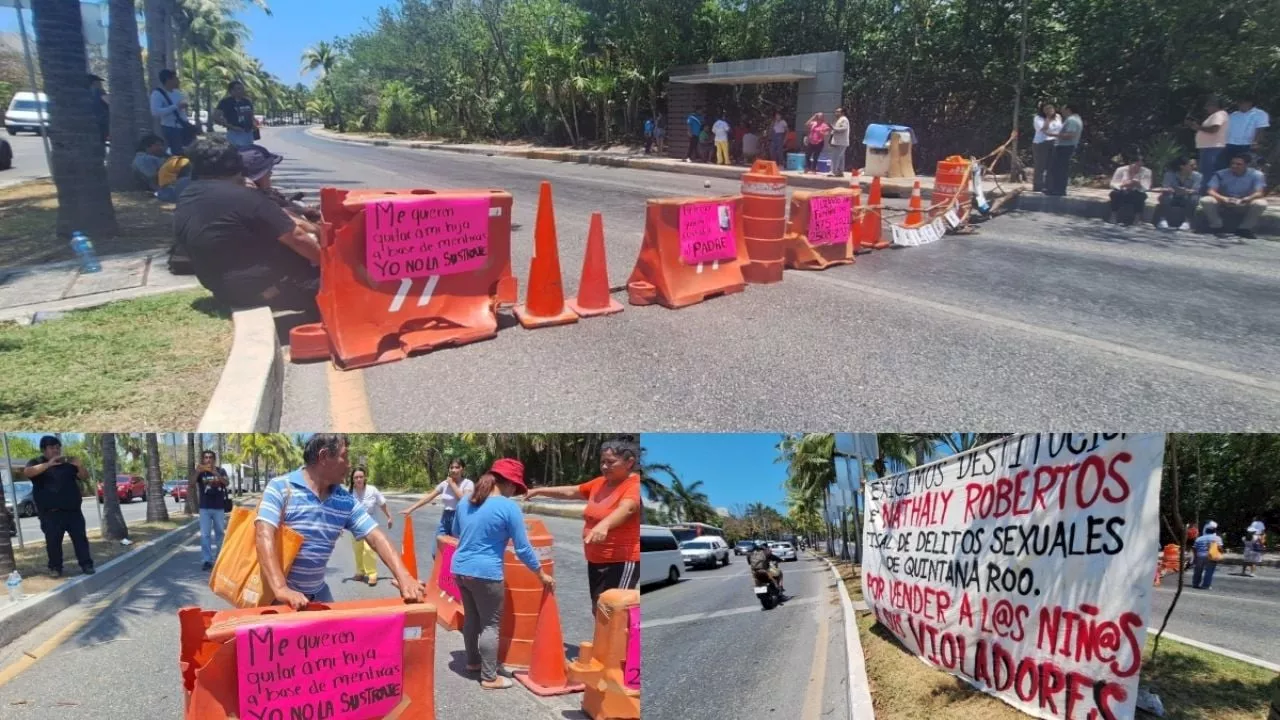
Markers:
1249,659
860,706
19,619
250,394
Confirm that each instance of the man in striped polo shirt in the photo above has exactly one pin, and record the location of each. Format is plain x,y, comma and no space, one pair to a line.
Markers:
319,508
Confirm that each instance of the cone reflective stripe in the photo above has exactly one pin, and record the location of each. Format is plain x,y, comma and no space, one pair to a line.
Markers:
408,554
915,213
547,674
544,304
593,289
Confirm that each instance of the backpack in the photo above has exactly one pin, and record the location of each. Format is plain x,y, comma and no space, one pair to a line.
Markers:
758,560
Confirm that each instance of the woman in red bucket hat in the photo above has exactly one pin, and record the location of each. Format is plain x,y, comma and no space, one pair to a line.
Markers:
611,528
484,524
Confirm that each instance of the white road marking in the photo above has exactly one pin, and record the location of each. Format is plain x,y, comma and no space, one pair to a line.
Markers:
428,290
697,617
398,301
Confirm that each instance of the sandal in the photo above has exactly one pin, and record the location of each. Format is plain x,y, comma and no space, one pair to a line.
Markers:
360,578
373,582
500,683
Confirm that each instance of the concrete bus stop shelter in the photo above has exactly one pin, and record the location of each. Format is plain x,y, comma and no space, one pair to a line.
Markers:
820,76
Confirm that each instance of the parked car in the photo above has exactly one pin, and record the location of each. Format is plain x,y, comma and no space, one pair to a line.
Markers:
6,154
22,503
24,113
707,551
784,551
743,547
128,488
660,558
176,489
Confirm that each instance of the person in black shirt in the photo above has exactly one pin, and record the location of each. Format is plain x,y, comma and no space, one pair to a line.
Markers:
55,484
235,113
243,247
211,489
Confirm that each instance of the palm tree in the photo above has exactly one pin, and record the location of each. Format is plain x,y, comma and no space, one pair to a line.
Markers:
159,19
156,509
190,506
125,69
690,504
114,527
7,521
322,59
654,489
84,197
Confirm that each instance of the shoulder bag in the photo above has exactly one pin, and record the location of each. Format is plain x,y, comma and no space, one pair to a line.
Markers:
237,575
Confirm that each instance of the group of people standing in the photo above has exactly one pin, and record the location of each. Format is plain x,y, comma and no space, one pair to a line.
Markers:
1208,548
719,138
1055,142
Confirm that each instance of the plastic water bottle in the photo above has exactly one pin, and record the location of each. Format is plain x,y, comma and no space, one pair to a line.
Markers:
83,249
14,583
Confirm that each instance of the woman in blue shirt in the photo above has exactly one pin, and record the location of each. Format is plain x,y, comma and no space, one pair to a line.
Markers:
483,524
1205,564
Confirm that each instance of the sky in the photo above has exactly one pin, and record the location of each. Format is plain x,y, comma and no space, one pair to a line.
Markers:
279,39
734,469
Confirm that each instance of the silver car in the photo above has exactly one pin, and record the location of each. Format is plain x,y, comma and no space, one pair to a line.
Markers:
24,500
784,551
705,552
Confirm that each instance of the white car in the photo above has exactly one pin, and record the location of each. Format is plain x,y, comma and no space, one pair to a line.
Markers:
23,114
705,552
784,551
660,557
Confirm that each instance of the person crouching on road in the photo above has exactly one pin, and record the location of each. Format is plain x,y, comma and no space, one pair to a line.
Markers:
313,502
455,487
370,498
55,482
484,524
611,530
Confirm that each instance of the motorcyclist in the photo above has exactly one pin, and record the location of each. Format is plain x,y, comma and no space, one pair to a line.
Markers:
762,559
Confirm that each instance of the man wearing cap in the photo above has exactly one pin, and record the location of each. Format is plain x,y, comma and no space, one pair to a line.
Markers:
259,165
101,108
55,482
243,247
313,502
235,113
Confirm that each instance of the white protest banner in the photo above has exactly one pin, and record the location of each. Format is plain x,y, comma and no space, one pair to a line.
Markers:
1024,567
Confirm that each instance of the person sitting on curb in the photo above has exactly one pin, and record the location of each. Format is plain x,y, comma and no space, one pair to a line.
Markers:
1129,188
147,162
243,247
1240,189
259,169
1179,189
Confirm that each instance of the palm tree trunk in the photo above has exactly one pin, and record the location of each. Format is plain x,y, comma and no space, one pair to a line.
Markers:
190,505
79,172
157,511
159,52
113,525
125,69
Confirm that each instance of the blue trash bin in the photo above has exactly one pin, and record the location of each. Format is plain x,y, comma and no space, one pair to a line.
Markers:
795,162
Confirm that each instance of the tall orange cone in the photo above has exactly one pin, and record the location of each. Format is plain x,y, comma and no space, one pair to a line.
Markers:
855,227
872,226
547,675
544,305
593,289
408,554
915,213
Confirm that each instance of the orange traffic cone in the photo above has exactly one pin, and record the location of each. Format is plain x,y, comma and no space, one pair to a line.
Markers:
593,289
547,675
915,213
872,230
408,554
855,228
544,305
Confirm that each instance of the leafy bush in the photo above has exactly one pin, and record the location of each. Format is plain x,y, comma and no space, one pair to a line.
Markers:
397,110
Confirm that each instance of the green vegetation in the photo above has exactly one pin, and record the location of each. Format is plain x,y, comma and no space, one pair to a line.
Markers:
1230,479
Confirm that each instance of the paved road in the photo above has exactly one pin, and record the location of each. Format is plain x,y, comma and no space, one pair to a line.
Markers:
135,511
708,642
136,637
1037,321
1239,613
28,159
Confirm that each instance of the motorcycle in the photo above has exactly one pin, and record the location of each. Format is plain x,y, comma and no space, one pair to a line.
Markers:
766,589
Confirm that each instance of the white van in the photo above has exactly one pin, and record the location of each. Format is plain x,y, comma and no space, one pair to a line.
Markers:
23,114
660,558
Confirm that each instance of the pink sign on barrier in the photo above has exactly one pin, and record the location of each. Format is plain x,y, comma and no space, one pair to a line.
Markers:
425,235
706,233
448,585
830,219
631,667
351,669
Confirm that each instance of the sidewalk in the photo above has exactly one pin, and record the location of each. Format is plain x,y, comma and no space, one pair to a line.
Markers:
37,292
1081,202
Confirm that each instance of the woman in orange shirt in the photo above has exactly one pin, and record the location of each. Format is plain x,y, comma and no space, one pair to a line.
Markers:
611,532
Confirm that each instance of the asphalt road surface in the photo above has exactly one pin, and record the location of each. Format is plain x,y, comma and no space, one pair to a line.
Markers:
1036,321
125,662
1238,613
135,511
708,643
29,161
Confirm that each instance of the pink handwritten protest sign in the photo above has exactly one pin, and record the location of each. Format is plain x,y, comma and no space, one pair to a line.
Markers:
631,670
448,585
351,669
425,235
706,233
830,219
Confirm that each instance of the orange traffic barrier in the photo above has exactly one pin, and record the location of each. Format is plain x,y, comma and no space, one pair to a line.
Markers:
609,665
821,231
523,599
404,272
547,674
872,225
544,306
953,183
693,250
441,590
764,221
211,662
1169,560
915,208
593,289
409,553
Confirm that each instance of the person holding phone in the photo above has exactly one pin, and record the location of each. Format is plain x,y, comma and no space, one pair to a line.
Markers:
211,488
55,481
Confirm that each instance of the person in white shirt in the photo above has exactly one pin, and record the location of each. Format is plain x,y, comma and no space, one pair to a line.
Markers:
721,131
1211,139
1129,188
750,146
1047,124
1244,128
454,488
778,140
372,499
169,106
839,143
